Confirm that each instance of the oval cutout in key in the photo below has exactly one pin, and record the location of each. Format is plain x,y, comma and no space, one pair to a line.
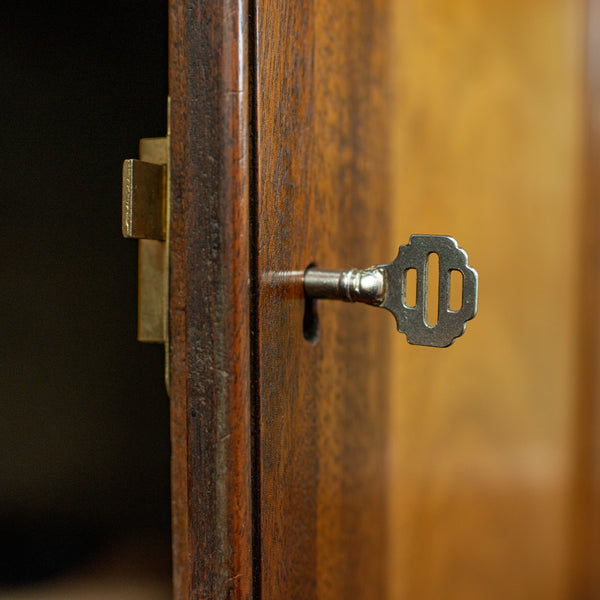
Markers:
455,295
433,289
410,288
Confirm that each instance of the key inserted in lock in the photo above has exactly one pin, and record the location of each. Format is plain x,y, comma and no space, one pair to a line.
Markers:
386,286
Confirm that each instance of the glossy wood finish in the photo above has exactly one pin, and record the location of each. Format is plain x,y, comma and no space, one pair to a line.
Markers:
209,303
488,146
323,197
296,127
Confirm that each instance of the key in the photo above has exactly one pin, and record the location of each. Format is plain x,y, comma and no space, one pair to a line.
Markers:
386,286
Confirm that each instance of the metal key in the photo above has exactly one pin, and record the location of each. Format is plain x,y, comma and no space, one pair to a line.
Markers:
385,286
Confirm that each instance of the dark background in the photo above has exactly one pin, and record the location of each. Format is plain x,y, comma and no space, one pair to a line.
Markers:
84,440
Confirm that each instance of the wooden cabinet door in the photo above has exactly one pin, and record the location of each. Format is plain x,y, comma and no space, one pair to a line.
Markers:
314,457
278,160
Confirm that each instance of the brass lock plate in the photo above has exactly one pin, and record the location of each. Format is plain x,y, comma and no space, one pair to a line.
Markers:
145,217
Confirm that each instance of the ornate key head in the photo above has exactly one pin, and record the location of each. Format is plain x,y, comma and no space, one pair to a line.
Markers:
412,320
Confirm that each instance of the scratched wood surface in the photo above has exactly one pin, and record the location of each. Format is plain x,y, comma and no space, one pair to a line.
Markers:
209,308
488,144
322,178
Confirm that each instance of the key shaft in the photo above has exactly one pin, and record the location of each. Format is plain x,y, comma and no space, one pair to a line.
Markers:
352,285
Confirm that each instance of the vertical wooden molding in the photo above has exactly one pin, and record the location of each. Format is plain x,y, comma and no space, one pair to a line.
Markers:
209,299
585,567
322,176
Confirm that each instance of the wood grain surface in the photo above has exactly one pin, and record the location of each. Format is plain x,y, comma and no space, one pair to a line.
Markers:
488,145
351,467
323,172
209,293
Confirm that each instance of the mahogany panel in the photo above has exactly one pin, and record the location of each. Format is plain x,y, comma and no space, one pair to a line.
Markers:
209,300
322,197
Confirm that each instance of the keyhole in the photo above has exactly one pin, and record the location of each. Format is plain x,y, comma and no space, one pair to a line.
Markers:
310,322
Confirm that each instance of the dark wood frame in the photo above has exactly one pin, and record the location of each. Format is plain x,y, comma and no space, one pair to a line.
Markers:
209,299
585,508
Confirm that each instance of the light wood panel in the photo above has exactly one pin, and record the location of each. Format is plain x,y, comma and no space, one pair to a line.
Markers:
487,146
